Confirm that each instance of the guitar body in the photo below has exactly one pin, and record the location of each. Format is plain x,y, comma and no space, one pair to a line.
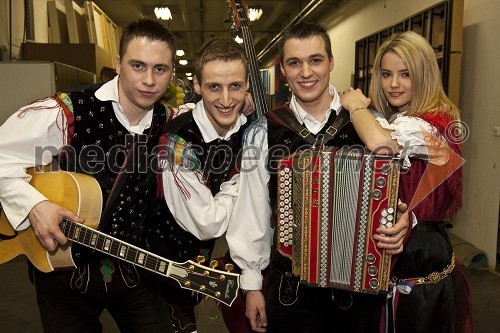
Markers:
77,192
82,194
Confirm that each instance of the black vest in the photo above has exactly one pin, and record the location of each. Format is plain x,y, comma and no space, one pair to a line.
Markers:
218,159
98,148
280,137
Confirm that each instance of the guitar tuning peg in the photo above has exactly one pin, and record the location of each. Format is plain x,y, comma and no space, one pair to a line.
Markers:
214,264
200,259
229,267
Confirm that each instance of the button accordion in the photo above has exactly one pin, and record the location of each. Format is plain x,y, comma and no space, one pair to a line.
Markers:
330,202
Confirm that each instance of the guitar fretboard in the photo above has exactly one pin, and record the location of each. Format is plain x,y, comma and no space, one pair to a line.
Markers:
101,242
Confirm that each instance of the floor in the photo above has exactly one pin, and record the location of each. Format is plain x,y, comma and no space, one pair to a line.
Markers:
19,313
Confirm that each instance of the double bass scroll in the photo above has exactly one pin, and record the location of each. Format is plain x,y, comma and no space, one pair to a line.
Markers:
241,23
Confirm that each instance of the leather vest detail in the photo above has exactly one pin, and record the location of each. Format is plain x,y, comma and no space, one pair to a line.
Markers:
280,137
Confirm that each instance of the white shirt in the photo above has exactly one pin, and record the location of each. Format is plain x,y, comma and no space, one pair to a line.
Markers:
199,212
46,127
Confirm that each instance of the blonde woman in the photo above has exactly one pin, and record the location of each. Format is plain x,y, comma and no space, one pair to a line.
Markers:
419,122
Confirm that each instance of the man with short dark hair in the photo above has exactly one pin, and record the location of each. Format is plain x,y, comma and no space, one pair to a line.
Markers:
306,62
213,129
93,130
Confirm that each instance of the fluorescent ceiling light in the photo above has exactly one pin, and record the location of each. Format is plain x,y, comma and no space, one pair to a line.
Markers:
179,53
163,13
183,62
254,14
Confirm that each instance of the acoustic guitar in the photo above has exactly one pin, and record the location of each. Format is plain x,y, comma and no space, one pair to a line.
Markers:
82,194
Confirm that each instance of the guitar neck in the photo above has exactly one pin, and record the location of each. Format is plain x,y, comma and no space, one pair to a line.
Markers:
114,247
222,286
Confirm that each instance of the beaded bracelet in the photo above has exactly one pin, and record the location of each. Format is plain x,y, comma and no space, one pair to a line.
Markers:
354,111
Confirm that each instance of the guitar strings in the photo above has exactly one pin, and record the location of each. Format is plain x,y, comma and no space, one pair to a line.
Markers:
85,238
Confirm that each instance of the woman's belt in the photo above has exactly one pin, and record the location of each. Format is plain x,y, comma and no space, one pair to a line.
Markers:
432,278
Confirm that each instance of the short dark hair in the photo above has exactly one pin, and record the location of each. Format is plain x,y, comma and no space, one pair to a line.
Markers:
219,48
148,28
303,30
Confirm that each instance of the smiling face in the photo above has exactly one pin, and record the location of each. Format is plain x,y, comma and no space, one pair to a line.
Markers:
396,82
307,66
223,90
145,70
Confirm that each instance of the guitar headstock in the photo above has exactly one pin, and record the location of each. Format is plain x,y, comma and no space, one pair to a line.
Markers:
221,286
238,13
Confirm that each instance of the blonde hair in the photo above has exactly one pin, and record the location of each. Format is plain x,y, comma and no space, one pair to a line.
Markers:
420,60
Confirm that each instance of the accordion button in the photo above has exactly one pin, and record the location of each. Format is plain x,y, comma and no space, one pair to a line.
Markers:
384,212
389,225
370,258
376,194
385,169
383,221
390,210
390,217
373,283
372,271
380,182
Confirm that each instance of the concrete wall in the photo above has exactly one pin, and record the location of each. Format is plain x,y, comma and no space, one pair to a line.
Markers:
480,85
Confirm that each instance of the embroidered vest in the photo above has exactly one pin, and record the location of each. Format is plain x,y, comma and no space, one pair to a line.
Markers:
98,147
218,159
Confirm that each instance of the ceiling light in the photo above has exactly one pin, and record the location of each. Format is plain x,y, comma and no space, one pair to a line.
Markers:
183,62
254,14
163,13
238,39
189,74
179,53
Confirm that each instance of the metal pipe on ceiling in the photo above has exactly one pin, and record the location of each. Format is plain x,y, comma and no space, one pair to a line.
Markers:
308,9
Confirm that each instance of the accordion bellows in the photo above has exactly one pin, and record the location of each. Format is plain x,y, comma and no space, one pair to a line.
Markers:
330,202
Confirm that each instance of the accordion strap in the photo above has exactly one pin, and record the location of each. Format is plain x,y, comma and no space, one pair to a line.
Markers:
285,117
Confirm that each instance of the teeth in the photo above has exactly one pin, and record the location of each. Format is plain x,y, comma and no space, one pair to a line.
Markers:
307,84
225,109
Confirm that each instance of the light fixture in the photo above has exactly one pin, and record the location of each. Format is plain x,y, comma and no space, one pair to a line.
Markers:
179,53
189,74
254,14
183,62
238,39
163,13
